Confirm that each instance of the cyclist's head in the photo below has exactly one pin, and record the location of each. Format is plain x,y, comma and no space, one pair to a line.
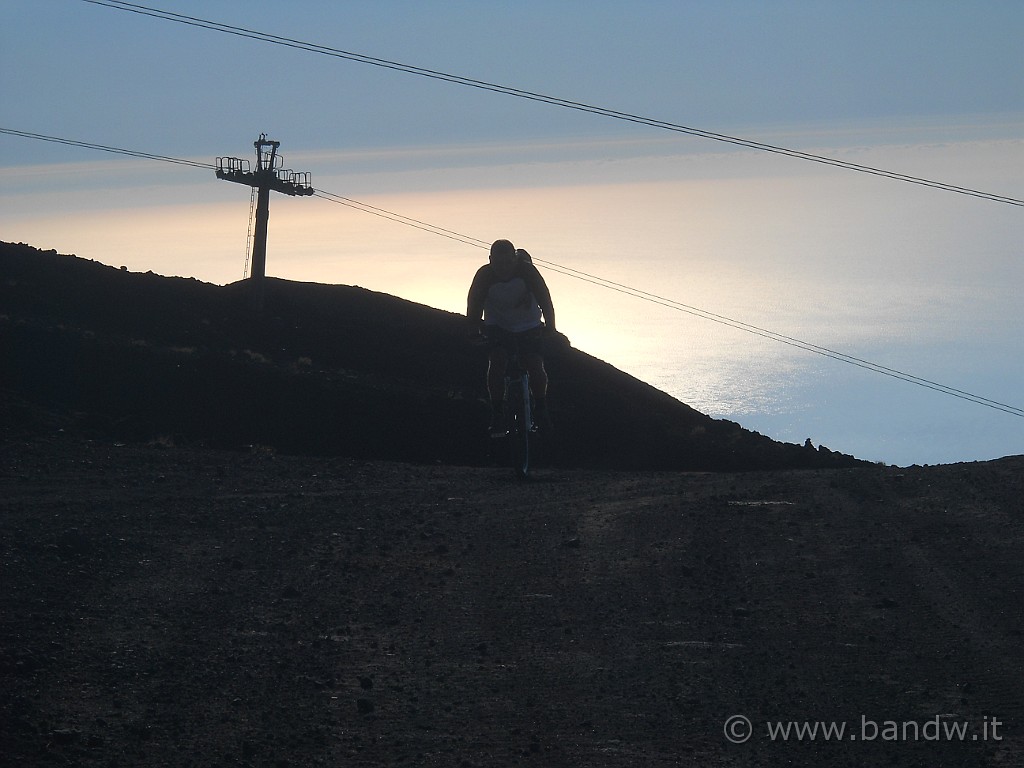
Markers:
503,256
502,250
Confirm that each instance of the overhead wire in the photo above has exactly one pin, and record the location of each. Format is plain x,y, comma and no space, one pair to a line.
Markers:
689,309
680,306
574,273
782,338
396,217
543,98
105,148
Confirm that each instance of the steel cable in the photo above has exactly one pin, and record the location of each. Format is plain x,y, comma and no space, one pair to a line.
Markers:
539,97
579,275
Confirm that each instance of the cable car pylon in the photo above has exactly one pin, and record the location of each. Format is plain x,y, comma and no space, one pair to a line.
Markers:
266,176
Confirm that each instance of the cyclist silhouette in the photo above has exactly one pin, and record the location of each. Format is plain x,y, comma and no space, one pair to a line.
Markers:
511,296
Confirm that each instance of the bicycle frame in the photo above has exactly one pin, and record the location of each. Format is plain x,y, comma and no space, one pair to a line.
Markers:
519,409
517,405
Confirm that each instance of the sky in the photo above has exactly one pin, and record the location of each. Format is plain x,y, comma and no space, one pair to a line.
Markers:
917,279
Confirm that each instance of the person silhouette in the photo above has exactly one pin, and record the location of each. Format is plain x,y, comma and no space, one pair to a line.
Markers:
509,304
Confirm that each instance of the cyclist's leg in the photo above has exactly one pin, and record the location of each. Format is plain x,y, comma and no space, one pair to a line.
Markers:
539,386
497,362
531,352
534,363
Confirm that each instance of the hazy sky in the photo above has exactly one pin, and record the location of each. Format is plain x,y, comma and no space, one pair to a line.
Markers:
929,88
110,76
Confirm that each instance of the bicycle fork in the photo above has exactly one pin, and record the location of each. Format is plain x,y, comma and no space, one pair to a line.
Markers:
519,398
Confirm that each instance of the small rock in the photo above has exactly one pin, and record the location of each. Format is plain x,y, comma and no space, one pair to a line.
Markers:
65,735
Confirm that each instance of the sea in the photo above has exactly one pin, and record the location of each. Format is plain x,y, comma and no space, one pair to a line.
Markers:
875,317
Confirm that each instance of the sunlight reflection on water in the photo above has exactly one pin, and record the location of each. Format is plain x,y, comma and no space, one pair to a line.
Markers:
915,279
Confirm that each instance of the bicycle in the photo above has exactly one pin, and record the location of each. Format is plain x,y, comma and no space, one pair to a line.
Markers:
517,407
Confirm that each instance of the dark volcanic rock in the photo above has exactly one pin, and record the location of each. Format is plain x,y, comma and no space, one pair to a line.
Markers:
322,369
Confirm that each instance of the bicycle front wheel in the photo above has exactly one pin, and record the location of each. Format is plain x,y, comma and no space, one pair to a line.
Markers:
522,425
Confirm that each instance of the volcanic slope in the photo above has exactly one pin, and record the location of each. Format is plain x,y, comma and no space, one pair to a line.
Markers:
322,369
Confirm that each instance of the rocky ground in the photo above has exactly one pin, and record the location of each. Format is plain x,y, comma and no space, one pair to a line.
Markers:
166,605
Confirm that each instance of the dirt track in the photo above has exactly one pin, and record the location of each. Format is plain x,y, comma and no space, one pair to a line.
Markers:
174,607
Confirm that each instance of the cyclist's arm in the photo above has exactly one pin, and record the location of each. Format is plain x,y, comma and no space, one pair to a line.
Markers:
540,292
477,297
